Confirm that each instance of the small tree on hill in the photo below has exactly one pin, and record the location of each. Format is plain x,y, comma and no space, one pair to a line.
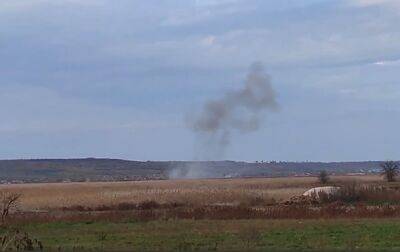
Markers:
323,177
390,170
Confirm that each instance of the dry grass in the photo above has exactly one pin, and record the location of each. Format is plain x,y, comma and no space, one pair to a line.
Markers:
193,192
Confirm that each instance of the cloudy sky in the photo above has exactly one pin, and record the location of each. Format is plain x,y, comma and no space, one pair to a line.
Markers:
106,78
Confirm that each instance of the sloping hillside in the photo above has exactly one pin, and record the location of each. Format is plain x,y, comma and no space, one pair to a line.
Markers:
53,170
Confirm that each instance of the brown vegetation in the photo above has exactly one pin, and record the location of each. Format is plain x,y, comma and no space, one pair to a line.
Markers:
8,203
44,197
207,199
84,204
15,240
12,238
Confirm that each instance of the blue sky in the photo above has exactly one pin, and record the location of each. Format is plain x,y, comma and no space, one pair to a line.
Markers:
103,78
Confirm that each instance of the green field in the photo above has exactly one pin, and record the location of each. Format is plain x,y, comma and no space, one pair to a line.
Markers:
238,235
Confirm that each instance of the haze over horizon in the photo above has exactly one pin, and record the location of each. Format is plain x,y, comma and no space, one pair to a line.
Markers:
100,78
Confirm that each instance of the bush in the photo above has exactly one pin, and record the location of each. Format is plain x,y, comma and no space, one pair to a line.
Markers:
148,204
323,177
8,202
353,193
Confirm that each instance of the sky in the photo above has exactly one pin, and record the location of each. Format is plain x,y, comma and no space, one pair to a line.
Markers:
116,79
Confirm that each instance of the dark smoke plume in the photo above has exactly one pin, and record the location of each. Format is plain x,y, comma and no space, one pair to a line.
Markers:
240,110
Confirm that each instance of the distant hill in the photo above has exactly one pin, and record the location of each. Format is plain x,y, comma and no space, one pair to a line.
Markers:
57,170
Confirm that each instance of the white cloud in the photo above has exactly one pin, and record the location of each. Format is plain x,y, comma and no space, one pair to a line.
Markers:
373,93
15,5
202,3
203,11
208,40
238,48
366,3
387,63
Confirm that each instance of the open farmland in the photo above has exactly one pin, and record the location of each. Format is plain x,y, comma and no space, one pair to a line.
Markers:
198,215
193,192
209,214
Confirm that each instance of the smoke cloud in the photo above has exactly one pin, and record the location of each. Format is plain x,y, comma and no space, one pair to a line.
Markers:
192,170
241,110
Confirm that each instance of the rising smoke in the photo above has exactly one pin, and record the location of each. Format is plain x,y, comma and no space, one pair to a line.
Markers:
241,110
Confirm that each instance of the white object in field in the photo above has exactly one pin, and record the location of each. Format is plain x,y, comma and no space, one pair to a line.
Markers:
314,192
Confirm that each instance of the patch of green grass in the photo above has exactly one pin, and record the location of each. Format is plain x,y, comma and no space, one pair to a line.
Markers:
239,235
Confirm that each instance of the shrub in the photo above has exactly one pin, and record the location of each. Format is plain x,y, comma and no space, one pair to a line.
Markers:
8,202
148,204
353,193
125,206
323,177
16,240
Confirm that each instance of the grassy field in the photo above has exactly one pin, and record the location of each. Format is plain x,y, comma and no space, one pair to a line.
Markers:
237,235
196,192
203,215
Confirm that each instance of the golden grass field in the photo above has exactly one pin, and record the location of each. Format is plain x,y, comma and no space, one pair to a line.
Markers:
196,192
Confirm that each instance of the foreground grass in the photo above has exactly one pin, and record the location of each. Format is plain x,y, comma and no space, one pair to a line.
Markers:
238,235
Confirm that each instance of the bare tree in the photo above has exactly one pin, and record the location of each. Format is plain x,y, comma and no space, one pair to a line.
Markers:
8,202
323,177
11,238
390,169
